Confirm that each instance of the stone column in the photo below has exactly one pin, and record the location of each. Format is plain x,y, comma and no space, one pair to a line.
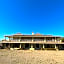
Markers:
31,45
31,48
20,45
43,46
56,47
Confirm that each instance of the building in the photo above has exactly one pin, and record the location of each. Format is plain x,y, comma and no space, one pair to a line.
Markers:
32,42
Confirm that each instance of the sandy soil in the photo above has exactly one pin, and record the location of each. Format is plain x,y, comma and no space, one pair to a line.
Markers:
31,57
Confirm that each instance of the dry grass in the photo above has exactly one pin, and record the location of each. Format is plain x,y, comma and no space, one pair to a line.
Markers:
31,57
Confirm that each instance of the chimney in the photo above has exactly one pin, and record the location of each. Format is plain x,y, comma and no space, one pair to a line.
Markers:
32,33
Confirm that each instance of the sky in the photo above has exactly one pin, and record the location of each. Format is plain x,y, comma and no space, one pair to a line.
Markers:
27,16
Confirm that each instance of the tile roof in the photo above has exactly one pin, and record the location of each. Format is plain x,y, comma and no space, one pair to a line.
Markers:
37,34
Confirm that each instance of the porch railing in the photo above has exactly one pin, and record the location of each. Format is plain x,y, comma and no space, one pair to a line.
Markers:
28,41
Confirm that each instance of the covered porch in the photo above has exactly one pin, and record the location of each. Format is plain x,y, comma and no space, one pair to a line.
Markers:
32,46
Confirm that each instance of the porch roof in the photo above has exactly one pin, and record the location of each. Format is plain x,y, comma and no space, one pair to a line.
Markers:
32,36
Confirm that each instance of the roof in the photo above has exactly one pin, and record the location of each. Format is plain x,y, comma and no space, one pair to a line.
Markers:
35,35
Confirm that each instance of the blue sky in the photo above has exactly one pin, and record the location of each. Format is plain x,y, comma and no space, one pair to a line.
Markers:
27,16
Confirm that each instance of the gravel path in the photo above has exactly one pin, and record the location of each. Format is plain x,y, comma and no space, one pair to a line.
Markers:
31,57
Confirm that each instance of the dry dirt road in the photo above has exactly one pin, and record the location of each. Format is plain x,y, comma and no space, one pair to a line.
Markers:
31,57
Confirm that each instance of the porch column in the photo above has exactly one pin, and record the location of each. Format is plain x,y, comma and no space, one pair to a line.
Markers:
11,46
43,46
31,48
19,39
32,39
31,45
20,45
45,39
55,39
56,47
5,45
39,46
9,38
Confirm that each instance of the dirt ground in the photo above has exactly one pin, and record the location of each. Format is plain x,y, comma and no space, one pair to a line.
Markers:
31,57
